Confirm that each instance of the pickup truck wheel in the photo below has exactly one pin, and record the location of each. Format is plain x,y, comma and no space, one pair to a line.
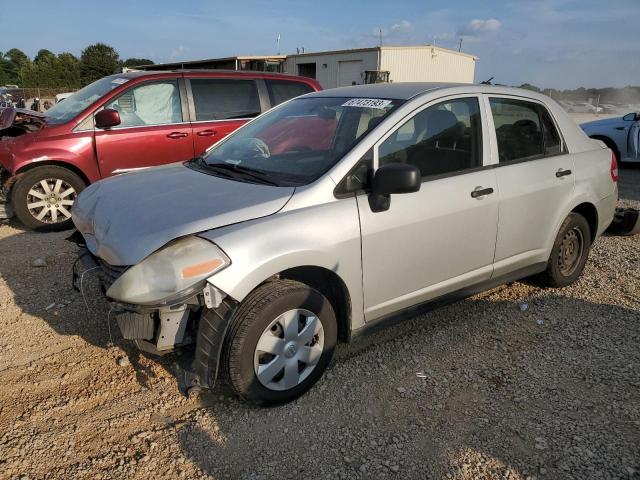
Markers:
42,197
279,342
569,254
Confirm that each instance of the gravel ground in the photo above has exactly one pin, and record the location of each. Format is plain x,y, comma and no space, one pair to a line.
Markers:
482,389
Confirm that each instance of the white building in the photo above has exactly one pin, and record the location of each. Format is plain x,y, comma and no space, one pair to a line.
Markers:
422,63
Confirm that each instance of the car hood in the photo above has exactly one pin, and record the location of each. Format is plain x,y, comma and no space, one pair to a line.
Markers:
8,116
606,122
125,218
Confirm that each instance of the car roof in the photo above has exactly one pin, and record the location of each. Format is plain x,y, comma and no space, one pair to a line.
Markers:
408,90
226,72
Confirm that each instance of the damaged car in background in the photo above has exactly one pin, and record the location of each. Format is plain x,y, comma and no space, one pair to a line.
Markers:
121,123
336,212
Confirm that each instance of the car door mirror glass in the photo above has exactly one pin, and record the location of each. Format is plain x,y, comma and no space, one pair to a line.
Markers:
107,118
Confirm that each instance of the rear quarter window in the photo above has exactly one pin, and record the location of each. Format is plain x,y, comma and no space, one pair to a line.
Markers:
282,90
224,99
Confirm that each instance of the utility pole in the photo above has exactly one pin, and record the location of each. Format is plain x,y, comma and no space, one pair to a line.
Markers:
460,46
278,44
380,30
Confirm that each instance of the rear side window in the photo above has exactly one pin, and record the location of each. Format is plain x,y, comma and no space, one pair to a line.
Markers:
283,90
444,138
149,104
225,99
524,130
551,137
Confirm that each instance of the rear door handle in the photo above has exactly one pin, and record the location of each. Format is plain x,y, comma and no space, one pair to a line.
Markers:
177,135
481,192
206,133
563,173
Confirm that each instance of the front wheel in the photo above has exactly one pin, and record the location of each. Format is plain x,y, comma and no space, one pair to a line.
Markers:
569,253
43,196
279,342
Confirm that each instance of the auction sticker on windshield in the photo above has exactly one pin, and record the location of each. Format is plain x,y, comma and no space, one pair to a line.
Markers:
119,81
367,103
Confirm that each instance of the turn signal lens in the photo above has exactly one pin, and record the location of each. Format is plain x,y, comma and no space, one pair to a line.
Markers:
201,268
614,167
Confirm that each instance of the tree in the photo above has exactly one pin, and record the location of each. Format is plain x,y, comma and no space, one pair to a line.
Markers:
136,62
97,61
528,86
13,61
44,55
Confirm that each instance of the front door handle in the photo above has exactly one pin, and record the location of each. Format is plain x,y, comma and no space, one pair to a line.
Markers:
563,173
206,133
480,192
177,135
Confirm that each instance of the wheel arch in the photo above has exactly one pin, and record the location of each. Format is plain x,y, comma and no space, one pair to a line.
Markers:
608,141
590,213
331,286
54,163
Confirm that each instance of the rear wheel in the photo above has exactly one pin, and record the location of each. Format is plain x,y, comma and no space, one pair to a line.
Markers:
569,254
42,197
280,341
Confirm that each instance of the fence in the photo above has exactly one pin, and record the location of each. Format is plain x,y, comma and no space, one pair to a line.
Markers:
25,97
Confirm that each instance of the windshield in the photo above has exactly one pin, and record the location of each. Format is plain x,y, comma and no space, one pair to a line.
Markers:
76,103
296,143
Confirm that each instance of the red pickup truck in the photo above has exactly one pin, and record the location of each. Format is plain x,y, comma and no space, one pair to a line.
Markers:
120,123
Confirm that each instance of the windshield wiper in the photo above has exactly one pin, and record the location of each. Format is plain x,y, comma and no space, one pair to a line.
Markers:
246,171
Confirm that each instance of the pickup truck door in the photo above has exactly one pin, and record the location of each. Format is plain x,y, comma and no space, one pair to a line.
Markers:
153,131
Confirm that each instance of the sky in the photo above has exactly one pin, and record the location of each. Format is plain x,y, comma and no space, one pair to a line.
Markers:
549,43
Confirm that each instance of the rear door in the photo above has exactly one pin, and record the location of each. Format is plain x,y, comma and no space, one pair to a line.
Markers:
154,128
218,106
535,176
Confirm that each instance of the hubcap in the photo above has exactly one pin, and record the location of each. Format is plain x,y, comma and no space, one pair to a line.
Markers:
49,200
570,253
289,349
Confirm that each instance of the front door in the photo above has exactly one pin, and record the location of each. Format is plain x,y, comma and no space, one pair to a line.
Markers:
219,106
535,180
152,130
441,238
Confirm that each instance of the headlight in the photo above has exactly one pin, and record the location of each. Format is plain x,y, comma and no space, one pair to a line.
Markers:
172,272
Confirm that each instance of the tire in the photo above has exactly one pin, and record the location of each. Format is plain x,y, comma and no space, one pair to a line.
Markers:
263,316
564,268
29,191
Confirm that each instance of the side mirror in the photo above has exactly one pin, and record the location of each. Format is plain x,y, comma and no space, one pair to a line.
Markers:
631,117
107,118
390,179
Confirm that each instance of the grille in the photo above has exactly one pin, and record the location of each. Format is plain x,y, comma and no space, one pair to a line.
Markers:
110,273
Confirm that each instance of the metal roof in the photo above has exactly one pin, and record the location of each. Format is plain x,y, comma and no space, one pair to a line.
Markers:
383,47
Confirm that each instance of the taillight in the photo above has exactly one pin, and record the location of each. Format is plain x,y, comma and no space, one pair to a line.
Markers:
614,167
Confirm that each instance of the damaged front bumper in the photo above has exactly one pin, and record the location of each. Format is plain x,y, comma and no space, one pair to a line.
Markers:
199,321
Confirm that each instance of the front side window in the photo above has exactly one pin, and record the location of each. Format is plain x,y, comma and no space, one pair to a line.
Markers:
294,144
149,104
444,138
225,99
282,90
73,105
524,130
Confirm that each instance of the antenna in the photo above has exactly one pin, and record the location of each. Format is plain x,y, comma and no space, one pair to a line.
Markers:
380,30
460,46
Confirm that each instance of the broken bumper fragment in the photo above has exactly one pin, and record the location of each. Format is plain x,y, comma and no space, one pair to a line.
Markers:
626,221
